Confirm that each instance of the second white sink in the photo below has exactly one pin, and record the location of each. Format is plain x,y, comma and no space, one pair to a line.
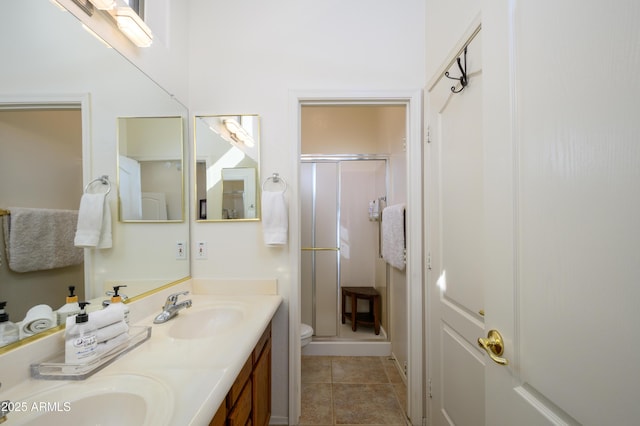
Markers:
208,321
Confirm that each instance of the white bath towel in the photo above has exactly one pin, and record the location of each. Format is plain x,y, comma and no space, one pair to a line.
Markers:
39,318
109,332
109,346
393,236
275,218
100,319
40,239
94,222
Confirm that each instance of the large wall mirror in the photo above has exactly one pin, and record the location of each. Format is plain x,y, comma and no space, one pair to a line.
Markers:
62,93
150,169
227,167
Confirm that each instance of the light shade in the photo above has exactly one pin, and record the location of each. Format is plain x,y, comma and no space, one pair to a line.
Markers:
238,133
133,27
103,4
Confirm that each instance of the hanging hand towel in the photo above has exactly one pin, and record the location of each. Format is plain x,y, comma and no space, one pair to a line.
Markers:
40,239
94,222
393,236
275,220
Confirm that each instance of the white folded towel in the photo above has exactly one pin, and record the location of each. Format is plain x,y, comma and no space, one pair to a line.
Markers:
107,346
109,332
39,318
94,222
393,236
101,318
275,219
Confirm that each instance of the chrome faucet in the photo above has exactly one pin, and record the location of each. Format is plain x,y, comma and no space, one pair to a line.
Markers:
171,307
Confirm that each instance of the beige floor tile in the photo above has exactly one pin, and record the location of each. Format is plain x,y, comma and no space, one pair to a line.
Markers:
316,369
360,404
358,370
317,405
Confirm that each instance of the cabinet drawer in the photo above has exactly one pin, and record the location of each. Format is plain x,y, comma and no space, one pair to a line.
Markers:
220,418
266,336
241,412
238,385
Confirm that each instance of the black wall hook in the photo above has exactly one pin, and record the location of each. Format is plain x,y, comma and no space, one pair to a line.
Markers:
463,70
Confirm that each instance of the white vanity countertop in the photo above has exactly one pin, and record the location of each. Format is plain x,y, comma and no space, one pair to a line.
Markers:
198,372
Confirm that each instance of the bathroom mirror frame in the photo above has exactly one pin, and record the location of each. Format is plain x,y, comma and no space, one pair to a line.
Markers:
202,200
101,101
147,158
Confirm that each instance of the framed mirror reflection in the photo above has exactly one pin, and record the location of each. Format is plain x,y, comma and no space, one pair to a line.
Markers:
227,167
150,169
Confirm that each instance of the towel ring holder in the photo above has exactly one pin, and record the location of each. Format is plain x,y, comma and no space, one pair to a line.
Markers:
104,179
275,178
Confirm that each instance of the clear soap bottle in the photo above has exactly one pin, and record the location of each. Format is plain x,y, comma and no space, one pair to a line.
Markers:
8,330
81,342
116,303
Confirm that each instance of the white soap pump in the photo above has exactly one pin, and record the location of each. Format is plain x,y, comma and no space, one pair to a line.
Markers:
81,343
116,302
8,330
70,308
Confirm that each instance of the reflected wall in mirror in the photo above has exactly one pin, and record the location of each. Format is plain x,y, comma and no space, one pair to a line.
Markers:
150,169
49,59
227,163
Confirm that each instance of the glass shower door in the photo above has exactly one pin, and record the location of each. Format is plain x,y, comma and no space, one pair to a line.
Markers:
320,251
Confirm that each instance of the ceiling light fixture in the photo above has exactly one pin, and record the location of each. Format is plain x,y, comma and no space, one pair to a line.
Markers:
238,133
103,4
133,27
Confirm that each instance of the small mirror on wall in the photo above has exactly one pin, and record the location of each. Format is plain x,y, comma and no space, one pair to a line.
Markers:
150,169
227,163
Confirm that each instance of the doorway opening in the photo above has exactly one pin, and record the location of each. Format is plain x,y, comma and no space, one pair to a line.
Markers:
350,155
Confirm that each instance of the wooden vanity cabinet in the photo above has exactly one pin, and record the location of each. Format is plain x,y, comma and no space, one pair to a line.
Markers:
248,402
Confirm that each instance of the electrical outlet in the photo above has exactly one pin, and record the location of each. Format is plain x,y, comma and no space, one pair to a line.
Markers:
201,250
181,250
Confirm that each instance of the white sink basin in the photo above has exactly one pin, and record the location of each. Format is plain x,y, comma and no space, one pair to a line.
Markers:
206,322
118,400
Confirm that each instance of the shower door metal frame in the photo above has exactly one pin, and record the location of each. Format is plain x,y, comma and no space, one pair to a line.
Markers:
336,158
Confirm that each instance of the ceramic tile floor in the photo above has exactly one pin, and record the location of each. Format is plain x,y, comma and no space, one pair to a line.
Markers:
352,391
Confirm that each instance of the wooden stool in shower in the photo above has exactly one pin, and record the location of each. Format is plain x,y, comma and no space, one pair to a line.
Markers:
365,318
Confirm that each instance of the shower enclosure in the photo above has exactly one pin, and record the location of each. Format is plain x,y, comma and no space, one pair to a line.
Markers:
341,240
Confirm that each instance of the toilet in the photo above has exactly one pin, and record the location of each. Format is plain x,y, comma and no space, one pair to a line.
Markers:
306,332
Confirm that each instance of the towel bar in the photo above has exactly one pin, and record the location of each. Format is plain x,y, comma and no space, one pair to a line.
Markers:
104,179
275,178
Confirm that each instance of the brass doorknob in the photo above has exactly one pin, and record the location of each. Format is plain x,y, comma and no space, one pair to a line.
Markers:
494,345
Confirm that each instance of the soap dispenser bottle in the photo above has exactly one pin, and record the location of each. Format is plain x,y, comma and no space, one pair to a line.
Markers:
116,302
70,308
8,330
81,343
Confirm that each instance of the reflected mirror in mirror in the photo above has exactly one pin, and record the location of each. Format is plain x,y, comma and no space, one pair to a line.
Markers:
227,161
55,142
150,169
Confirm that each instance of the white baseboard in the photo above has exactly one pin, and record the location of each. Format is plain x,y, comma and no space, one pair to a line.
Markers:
279,420
347,349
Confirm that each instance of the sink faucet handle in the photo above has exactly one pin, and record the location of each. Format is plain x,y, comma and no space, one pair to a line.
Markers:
173,298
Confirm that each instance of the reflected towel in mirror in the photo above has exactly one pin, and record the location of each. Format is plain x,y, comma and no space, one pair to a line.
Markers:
94,222
40,239
275,219
39,318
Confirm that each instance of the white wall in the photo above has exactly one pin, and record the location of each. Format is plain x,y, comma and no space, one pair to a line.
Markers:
246,57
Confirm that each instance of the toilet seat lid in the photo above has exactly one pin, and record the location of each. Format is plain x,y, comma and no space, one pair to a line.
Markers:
305,331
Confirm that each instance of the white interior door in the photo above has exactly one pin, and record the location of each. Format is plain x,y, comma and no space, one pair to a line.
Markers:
456,240
154,206
129,188
562,260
